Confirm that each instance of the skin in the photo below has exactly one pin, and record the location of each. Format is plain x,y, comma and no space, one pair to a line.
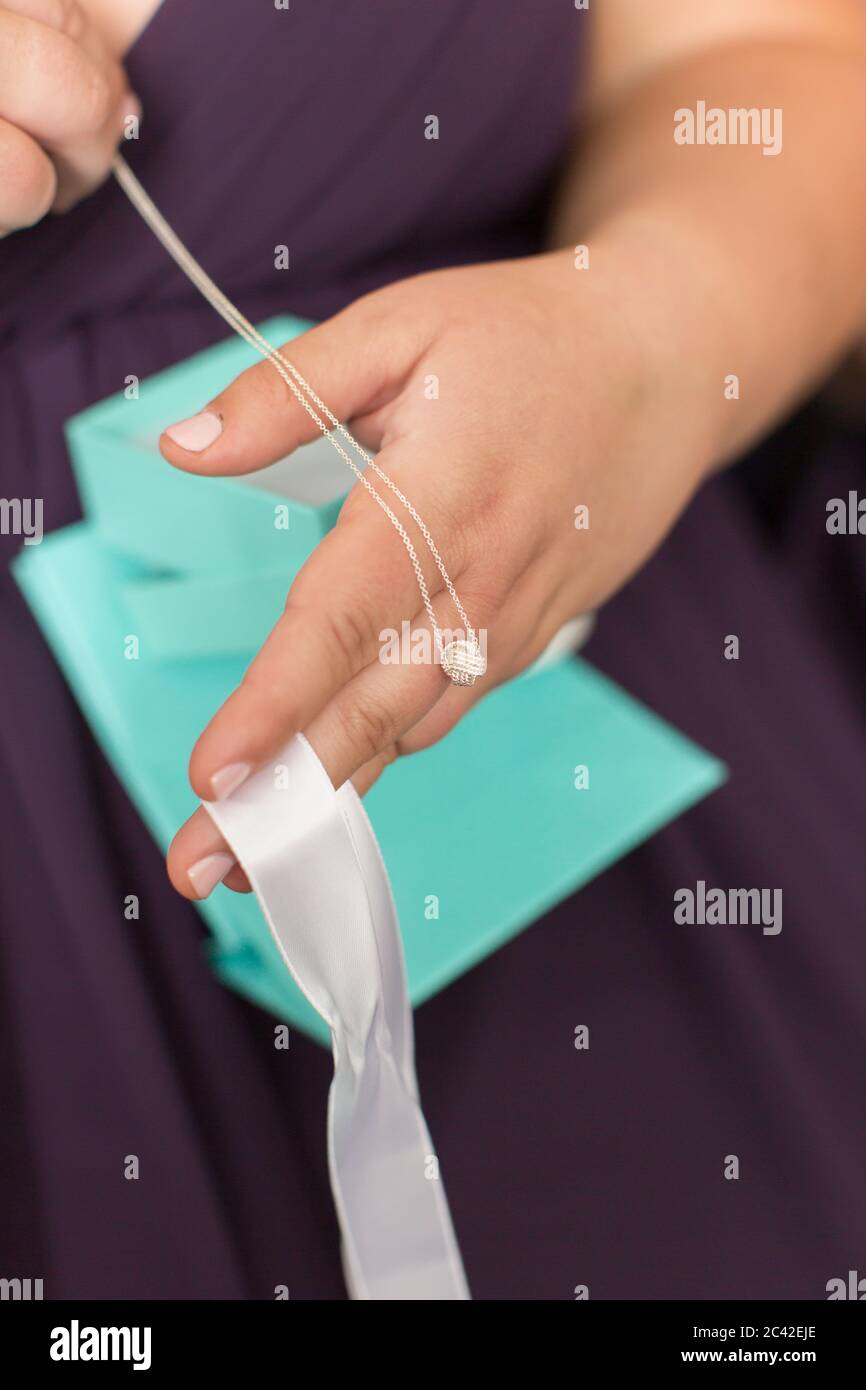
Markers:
558,387
63,101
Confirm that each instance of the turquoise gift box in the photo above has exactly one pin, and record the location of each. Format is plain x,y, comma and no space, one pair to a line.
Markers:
481,834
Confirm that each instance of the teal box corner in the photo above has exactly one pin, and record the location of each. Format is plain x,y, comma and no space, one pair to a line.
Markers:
178,522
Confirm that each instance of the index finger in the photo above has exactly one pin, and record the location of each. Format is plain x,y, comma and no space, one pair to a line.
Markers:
357,583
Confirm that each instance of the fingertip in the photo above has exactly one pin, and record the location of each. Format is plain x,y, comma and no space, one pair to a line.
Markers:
176,869
237,880
184,443
212,776
198,857
199,773
200,778
208,872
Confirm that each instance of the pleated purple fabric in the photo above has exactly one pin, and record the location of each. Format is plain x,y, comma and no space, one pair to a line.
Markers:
603,1167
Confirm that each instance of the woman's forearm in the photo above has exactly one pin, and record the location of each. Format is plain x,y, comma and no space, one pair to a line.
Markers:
734,262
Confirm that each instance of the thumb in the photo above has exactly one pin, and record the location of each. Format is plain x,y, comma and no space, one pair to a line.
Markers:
355,362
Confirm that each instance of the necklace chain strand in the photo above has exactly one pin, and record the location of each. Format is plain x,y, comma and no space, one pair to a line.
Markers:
462,660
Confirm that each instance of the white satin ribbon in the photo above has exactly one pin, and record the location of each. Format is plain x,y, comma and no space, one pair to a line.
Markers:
312,858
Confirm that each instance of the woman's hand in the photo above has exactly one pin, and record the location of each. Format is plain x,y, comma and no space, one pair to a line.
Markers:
500,398
63,101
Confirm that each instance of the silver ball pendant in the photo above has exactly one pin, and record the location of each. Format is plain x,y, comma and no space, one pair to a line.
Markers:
463,661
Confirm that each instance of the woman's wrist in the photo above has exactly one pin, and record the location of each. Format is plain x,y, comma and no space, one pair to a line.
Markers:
639,347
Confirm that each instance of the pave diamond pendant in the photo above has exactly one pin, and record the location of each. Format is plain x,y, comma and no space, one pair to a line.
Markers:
463,661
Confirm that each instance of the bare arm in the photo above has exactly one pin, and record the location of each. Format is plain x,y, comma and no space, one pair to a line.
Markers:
744,263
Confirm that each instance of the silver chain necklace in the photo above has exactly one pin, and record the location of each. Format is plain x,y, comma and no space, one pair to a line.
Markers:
461,658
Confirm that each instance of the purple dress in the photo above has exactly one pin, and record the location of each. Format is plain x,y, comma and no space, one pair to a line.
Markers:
605,1167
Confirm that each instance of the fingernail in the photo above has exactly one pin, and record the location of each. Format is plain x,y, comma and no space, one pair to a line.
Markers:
198,432
228,779
208,872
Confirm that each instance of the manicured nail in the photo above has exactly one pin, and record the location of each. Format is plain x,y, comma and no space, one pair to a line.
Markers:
208,872
198,432
228,779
